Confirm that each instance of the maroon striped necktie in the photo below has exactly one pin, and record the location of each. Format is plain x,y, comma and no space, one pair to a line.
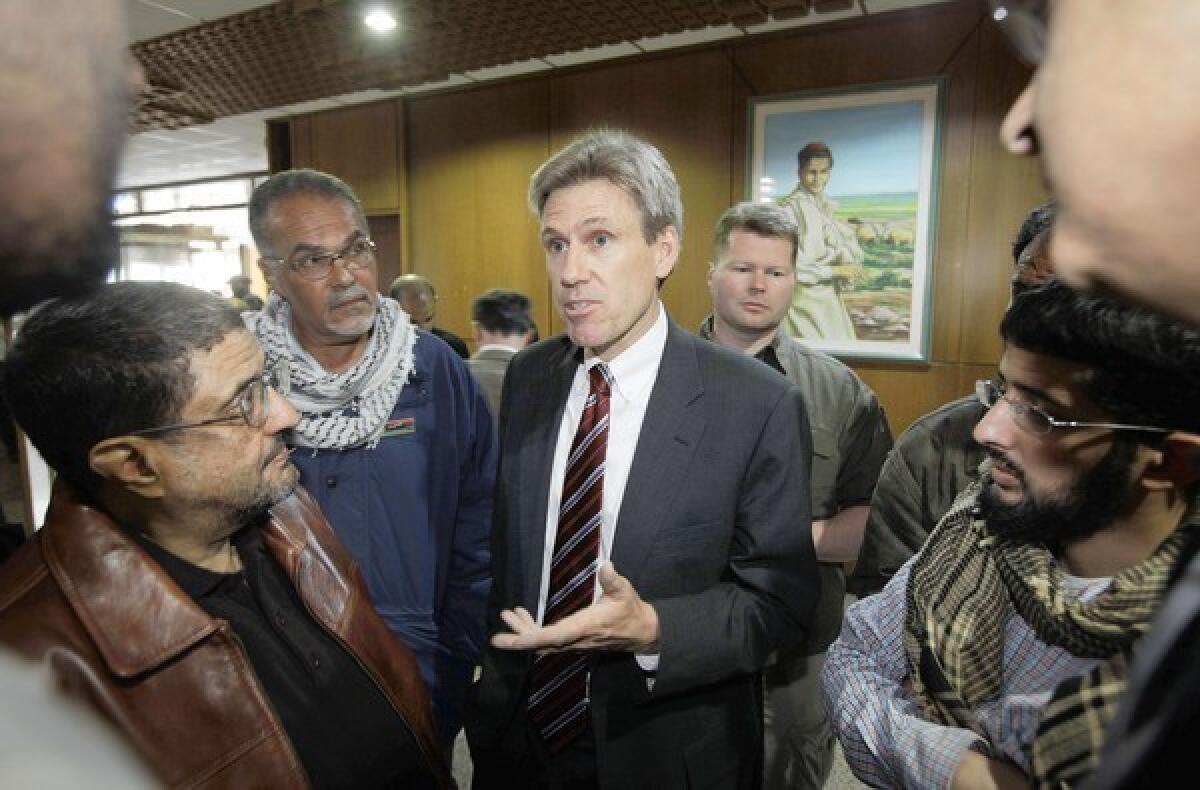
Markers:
558,684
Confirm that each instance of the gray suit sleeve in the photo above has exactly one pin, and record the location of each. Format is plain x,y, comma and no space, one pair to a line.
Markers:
770,587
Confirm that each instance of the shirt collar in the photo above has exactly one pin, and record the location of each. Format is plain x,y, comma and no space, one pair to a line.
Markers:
199,582
496,347
634,370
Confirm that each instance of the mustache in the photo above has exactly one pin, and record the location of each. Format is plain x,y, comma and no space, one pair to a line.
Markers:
351,294
994,458
276,448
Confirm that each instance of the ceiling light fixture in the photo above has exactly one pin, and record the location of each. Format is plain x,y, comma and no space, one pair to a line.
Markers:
380,21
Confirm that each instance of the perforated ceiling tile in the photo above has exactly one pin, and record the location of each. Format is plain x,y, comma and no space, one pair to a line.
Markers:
297,51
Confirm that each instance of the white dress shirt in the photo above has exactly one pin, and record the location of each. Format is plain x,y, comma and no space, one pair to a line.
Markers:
633,373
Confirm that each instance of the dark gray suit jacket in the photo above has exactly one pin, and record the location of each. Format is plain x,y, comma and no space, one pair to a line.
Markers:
713,531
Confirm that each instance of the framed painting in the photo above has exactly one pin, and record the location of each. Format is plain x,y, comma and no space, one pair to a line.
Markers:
857,169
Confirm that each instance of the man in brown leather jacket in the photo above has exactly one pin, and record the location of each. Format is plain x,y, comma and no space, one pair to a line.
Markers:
182,584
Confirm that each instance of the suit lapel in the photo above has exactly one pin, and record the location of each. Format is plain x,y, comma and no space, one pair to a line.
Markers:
668,440
537,460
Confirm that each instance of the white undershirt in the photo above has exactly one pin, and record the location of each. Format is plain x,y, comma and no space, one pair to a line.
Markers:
1083,588
633,373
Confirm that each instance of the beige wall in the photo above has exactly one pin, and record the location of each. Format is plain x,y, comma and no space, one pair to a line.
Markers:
447,173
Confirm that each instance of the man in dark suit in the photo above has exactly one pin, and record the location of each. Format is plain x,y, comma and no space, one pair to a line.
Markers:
417,297
651,544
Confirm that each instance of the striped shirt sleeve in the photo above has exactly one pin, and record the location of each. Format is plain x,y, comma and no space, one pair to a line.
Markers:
886,741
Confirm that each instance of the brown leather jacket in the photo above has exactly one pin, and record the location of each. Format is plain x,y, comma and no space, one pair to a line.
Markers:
116,630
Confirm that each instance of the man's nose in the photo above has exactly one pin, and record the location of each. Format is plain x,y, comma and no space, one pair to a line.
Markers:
996,427
339,272
1018,133
574,268
282,414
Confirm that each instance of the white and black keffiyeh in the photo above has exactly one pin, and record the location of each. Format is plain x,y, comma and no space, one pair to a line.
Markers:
338,410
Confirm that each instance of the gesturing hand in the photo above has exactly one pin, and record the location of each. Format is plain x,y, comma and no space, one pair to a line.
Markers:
620,620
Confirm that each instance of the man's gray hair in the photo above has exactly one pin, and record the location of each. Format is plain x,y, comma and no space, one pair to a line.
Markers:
287,183
762,219
626,162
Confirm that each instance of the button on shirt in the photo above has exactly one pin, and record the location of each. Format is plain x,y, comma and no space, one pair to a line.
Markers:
345,731
633,373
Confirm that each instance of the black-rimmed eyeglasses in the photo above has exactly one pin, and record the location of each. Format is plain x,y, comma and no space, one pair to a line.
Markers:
358,254
253,408
1030,418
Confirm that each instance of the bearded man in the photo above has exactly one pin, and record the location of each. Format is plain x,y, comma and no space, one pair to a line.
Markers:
996,655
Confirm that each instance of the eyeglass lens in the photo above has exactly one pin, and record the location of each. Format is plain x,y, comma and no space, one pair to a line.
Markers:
1025,416
318,267
256,402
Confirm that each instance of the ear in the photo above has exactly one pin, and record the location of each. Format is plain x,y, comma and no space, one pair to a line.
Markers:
128,462
712,269
270,273
476,332
666,252
1176,465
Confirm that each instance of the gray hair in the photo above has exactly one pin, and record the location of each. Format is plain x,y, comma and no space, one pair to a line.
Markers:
624,161
296,182
762,219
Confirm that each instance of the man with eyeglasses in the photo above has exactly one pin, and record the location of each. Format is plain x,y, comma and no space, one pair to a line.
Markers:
936,458
1116,81
182,585
995,656
394,440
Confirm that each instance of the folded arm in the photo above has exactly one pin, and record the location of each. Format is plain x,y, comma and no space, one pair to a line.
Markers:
886,741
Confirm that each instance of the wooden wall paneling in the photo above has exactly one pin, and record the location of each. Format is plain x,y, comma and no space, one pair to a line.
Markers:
470,155
359,145
681,103
279,144
1003,189
910,392
301,141
385,232
954,187
404,250
969,374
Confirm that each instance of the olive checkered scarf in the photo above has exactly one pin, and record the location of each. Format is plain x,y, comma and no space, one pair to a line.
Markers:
962,588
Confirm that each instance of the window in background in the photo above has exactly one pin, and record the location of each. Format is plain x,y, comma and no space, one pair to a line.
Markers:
194,233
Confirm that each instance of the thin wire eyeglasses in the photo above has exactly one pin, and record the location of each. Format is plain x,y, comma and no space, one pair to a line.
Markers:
358,254
1030,418
254,406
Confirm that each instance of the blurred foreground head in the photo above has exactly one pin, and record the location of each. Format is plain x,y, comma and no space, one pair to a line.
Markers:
1112,112
64,85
